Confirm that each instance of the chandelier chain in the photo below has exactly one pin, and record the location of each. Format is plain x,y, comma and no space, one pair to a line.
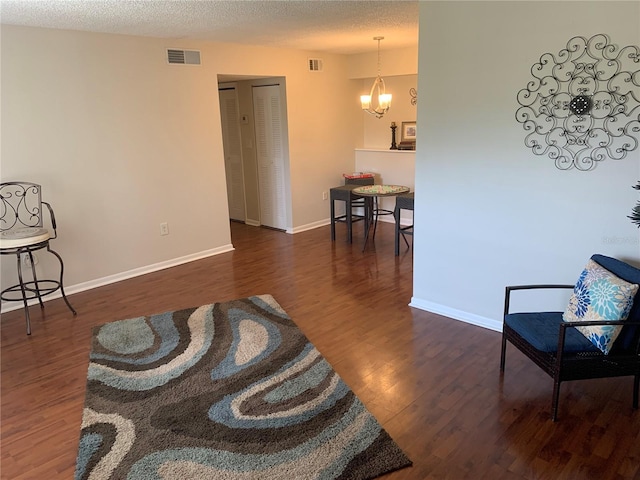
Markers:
379,55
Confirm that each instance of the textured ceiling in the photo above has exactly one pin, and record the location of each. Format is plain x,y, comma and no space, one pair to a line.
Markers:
345,27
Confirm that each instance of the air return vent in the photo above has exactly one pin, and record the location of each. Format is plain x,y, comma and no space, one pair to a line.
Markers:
183,57
315,64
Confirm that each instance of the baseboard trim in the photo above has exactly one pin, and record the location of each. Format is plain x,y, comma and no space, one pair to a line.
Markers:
327,221
308,226
455,314
118,277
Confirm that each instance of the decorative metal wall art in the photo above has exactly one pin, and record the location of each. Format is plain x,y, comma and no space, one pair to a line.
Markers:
583,105
414,96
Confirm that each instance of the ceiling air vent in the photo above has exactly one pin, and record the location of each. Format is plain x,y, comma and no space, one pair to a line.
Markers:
315,64
183,57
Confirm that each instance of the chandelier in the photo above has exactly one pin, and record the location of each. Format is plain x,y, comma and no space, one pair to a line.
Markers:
383,99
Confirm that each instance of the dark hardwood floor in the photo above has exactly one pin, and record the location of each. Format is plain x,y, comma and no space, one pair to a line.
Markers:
433,383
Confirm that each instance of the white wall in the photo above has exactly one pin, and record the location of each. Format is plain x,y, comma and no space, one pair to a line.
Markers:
396,62
490,213
121,141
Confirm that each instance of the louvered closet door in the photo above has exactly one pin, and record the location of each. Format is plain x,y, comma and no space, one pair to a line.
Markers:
270,155
232,145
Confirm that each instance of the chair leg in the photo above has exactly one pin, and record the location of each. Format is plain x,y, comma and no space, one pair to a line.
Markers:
554,402
24,295
333,220
503,353
61,284
396,214
349,219
35,280
404,237
636,387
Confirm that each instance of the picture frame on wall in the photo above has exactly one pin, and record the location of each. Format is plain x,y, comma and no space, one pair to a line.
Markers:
407,136
408,132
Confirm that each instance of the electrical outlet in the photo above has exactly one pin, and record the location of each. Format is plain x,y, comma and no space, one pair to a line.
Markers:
164,228
324,195
26,261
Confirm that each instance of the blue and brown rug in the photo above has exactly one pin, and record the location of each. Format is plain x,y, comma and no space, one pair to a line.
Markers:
225,391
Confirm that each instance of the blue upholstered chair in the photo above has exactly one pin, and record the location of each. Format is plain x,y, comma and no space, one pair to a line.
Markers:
554,340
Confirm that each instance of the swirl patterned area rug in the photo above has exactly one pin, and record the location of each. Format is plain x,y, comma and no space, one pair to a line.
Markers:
225,391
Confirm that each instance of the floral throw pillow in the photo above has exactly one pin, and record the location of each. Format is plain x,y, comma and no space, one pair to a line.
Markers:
600,295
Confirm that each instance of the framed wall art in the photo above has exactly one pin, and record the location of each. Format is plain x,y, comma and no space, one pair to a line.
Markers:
582,105
408,133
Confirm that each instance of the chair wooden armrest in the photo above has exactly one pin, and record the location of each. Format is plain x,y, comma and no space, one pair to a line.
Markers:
510,288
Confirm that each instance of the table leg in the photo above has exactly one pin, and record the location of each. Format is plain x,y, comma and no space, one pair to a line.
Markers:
24,295
375,217
368,219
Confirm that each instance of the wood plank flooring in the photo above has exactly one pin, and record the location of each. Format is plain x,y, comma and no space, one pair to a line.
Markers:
432,382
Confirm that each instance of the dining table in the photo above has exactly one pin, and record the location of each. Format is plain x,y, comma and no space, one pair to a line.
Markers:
372,194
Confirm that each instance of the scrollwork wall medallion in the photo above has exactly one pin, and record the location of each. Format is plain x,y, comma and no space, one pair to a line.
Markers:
414,96
583,104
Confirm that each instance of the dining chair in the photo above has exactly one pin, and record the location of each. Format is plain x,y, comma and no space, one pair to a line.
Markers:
404,201
352,201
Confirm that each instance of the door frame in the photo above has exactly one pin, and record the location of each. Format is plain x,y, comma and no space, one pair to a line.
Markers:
248,135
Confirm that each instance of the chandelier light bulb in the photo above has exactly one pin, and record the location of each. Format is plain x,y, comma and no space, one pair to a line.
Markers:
384,100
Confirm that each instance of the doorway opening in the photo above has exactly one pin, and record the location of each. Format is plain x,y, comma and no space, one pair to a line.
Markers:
256,150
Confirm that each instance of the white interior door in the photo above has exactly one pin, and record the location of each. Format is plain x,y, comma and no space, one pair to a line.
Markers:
232,145
270,151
